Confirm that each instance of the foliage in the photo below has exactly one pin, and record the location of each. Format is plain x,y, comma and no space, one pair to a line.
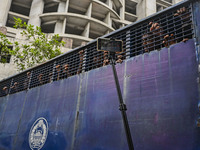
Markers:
4,49
37,49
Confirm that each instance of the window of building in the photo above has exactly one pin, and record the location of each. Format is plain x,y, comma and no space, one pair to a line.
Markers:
50,7
11,22
130,7
48,27
159,8
117,10
115,25
21,8
76,9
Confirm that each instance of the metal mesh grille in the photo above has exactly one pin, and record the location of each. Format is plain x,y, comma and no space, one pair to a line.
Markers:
40,75
167,28
66,66
5,87
158,32
18,83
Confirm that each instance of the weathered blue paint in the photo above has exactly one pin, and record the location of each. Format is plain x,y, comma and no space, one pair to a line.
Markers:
57,103
196,18
159,88
163,99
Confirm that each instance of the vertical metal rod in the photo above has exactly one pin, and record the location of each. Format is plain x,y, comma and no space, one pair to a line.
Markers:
122,106
10,86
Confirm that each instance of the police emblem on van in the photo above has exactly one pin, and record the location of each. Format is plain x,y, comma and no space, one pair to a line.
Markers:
38,134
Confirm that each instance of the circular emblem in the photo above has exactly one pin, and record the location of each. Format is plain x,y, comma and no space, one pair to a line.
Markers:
38,134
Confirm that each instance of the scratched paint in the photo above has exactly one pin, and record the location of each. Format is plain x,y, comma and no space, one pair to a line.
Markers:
160,90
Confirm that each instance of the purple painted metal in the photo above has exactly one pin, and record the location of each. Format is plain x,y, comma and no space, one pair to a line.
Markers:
159,89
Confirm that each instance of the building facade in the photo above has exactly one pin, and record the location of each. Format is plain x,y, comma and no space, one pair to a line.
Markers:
76,21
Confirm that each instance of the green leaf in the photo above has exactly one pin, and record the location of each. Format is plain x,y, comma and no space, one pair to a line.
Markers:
37,49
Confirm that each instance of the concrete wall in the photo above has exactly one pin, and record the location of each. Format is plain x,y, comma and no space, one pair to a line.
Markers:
4,9
9,69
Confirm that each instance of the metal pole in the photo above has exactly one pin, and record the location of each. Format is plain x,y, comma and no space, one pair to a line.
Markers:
122,106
